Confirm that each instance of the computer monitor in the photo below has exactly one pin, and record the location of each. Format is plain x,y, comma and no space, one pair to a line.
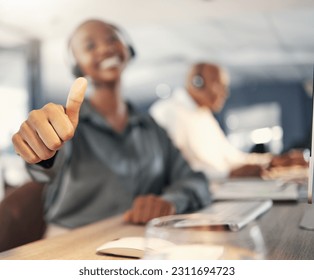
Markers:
307,221
311,166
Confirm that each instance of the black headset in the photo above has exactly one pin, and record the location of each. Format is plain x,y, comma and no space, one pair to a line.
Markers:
75,69
198,80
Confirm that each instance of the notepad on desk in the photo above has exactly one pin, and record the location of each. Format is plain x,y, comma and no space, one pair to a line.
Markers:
255,188
132,247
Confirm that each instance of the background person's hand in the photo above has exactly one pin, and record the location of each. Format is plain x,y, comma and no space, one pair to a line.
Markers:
247,170
147,207
46,129
291,158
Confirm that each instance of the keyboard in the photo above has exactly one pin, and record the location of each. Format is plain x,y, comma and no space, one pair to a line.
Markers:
231,215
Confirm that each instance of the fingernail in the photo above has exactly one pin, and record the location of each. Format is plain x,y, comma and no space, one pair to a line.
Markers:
79,84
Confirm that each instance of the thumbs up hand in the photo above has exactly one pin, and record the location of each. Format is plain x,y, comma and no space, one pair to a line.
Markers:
47,129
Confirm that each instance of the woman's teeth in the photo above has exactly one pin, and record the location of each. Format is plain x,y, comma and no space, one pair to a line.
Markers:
110,62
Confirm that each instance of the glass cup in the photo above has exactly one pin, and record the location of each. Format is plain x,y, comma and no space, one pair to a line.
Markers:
166,238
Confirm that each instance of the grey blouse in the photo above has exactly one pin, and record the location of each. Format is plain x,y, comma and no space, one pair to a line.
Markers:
99,172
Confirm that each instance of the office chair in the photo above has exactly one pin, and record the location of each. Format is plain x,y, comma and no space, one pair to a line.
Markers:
22,216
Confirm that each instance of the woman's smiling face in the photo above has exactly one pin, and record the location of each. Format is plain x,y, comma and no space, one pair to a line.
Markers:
99,51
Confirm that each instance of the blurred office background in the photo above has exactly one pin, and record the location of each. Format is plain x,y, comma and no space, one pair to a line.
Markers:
267,46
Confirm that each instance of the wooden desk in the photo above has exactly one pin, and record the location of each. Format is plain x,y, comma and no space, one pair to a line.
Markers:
280,228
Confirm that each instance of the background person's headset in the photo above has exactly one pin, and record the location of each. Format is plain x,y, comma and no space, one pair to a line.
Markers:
198,80
122,35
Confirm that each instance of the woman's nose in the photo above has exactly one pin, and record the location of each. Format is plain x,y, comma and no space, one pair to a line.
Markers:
104,49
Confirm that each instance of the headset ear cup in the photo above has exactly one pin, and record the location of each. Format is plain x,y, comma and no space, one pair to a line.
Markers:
198,81
77,72
131,51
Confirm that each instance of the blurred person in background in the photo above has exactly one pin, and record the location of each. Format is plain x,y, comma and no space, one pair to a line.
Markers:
188,118
99,156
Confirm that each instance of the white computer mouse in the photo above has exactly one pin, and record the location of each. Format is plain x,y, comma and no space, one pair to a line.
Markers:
132,246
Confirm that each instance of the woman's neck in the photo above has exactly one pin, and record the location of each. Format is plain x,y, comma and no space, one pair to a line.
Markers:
107,101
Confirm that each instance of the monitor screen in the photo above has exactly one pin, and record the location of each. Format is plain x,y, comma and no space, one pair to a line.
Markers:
311,167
